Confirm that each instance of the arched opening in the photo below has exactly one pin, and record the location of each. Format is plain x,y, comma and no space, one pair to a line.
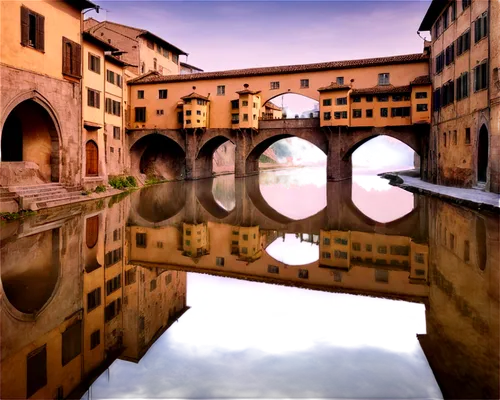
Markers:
482,155
216,157
91,159
29,135
295,248
30,265
372,194
91,231
157,157
290,106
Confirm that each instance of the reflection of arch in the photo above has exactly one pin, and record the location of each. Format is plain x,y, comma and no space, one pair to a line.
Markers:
414,145
38,274
205,196
91,158
157,155
91,231
160,202
482,155
36,138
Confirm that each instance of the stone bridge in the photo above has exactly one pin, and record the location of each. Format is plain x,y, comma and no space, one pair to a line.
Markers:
194,202
189,153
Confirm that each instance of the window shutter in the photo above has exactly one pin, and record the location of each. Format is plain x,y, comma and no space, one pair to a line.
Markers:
24,26
98,100
40,32
76,62
98,65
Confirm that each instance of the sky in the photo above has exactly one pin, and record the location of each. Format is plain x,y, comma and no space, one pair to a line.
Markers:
221,35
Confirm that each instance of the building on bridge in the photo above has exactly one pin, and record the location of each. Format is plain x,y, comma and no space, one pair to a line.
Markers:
464,66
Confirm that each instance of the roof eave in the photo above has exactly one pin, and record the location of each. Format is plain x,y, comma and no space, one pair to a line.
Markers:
164,42
433,12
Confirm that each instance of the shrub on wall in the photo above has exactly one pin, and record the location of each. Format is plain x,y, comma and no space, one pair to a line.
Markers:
122,182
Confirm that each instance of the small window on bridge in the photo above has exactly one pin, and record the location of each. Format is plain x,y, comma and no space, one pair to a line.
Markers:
244,103
140,94
467,135
369,99
421,95
369,113
382,249
188,122
383,98
341,101
356,113
340,80
273,269
383,79
140,240
327,116
326,254
219,261
356,99
245,117
162,93
337,276
327,102
304,83
368,247
422,107
419,258
303,274
337,114
384,112
326,241
275,85
221,90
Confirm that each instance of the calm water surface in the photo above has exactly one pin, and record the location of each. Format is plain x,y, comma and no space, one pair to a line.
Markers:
278,286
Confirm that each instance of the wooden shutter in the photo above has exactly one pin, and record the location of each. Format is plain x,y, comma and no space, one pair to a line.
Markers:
76,61
97,101
66,58
40,32
92,158
24,26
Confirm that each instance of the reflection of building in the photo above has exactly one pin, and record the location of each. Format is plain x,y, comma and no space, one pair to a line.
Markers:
196,240
343,250
246,243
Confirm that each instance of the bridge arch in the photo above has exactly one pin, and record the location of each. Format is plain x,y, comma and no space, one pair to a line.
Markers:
312,95
205,155
157,155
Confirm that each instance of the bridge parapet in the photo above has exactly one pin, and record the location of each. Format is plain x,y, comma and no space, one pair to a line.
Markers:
295,123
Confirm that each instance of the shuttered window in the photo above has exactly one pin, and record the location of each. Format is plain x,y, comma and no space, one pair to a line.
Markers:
116,132
32,29
93,98
140,114
94,63
71,342
72,58
92,158
92,231
36,363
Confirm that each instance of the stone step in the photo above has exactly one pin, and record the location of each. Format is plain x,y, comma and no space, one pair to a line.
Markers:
7,195
29,187
25,192
43,194
48,197
58,202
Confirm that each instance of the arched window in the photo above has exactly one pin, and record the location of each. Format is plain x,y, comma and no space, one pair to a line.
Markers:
92,231
92,158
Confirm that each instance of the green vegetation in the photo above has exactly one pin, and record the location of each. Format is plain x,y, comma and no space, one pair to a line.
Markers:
7,216
281,149
86,192
100,189
266,160
122,182
153,180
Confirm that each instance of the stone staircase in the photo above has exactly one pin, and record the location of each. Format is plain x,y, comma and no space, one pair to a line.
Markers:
35,197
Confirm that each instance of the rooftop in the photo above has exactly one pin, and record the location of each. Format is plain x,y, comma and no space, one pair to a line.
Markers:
382,89
333,86
433,12
186,65
287,69
195,96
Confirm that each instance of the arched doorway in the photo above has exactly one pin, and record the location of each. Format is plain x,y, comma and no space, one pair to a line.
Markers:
29,134
482,155
92,159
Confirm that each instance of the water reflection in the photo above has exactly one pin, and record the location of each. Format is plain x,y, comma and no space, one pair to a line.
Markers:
94,286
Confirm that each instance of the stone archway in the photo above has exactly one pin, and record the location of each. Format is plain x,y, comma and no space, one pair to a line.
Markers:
30,142
482,155
204,162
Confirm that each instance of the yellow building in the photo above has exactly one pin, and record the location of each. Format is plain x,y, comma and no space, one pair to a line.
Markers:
464,140
196,240
196,111
246,243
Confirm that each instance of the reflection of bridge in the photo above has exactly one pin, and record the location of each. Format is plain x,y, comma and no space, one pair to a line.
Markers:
178,202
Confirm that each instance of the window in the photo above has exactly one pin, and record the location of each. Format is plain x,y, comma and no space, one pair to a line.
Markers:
369,99
71,342
130,276
304,83
201,102
273,269
140,114
162,93
94,63
219,261
444,142
71,63
455,138
32,29
481,27
244,103
198,112
93,98
437,99
463,42
340,254
400,250
117,108
152,285
368,247
235,104
400,112
465,4
303,274
327,116
384,112
159,245
150,44
382,249
188,113
381,275
382,98
356,246
140,240
422,107
369,113
397,97
326,255
116,132
462,84
188,122
180,117
221,90
340,241
36,370
450,54
337,115
175,58
327,102
344,114
356,113
437,28
113,284
466,251
165,53
119,80
245,117
254,105
383,79
445,19
93,299
481,76
159,112
340,80
448,93
112,310
140,94
341,101
112,257
337,276
326,241
235,118
95,339
110,75
453,8
356,99
275,85
439,61
467,135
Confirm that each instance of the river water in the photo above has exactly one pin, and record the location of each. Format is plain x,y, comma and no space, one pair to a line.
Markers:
275,286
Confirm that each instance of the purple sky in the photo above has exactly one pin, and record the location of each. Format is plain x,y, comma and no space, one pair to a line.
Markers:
222,35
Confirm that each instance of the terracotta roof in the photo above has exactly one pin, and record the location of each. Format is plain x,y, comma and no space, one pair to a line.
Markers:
433,12
248,91
142,32
272,106
421,80
101,43
382,89
333,86
288,69
195,96
186,65
89,23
